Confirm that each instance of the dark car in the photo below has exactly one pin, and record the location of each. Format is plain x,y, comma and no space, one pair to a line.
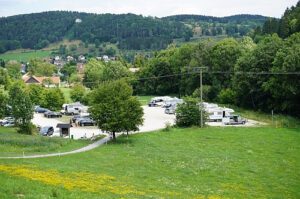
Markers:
51,114
40,110
153,104
75,118
86,122
47,130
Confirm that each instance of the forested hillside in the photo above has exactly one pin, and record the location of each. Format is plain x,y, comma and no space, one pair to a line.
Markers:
236,25
262,76
129,31
284,27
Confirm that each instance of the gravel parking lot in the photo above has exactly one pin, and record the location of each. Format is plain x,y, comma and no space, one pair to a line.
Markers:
154,119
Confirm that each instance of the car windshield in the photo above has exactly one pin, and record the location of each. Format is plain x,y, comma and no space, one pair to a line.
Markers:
44,129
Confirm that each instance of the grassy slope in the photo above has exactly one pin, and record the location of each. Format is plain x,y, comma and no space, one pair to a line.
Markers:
25,56
182,163
12,143
144,100
66,92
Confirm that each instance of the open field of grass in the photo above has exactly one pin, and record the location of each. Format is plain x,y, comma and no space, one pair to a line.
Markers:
66,92
25,56
218,163
144,100
14,144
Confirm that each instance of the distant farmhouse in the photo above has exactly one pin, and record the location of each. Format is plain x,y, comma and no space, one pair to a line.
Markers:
45,81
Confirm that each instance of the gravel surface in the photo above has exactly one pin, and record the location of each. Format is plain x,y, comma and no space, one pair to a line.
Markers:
154,119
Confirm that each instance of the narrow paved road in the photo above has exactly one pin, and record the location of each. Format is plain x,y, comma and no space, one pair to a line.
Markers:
83,149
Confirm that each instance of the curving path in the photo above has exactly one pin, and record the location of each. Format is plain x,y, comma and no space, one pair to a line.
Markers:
154,119
83,149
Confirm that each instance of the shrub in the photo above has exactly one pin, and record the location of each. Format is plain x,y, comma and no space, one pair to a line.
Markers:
188,113
207,94
29,129
227,96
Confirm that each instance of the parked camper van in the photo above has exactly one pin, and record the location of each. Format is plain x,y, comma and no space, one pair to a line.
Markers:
74,108
171,102
233,119
158,101
216,113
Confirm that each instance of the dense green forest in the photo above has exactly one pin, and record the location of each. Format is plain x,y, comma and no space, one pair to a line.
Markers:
235,26
284,27
260,73
129,31
263,76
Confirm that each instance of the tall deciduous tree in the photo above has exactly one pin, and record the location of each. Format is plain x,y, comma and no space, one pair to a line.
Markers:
36,93
285,89
53,99
248,87
115,109
21,107
4,78
98,71
189,114
223,58
41,68
77,93
14,69
3,104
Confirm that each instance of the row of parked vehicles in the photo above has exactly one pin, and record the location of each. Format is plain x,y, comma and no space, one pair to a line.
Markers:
169,103
47,113
7,122
215,113
79,112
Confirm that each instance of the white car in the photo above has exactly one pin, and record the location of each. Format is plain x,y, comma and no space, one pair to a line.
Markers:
7,120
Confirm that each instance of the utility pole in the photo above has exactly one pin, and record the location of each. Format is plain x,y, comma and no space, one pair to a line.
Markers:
201,100
200,69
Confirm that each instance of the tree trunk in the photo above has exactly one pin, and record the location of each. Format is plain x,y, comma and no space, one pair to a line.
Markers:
114,135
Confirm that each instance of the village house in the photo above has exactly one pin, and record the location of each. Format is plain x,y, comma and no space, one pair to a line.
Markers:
45,81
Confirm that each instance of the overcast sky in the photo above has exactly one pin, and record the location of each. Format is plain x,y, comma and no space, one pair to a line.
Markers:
159,8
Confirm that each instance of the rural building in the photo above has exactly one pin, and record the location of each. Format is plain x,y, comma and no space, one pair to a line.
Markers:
45,81
64,129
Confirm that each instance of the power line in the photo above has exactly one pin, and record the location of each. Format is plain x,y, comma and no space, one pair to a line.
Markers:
210,72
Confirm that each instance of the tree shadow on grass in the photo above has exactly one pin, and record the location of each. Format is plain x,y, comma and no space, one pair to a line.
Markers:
122,140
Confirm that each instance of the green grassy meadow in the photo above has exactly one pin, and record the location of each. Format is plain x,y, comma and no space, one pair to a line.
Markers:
229,162
14,144
144,100
67,95
25,56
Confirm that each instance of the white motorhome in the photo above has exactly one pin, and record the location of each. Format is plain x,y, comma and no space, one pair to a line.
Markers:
216,113
171,102
159,101
74,108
